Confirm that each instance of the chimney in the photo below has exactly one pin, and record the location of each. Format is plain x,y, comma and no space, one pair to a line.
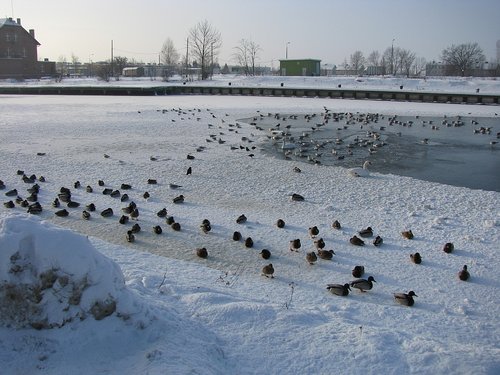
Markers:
32,33
19,21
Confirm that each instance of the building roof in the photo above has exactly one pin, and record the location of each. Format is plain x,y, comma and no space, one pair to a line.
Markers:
11,22
300,60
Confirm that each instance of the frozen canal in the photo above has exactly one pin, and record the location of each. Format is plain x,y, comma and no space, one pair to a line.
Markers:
453,150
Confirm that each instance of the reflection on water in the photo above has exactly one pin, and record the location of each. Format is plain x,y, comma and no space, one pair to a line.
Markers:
460,151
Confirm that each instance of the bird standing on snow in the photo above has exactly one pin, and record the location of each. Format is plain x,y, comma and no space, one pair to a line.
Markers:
295,244
448,247
339,289
358,271
313,231
416,258
355,240
326,254
268,271
368,232
311,257
378,241
408,234
464,274
405,299
363,284
360,172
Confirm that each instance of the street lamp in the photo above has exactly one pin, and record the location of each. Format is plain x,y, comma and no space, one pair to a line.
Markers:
286,51
392,57
90,64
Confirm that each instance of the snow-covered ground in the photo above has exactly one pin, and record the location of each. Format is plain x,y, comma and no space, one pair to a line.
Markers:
177,313
467,85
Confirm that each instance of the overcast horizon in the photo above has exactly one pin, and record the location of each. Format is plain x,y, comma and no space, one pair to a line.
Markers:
328,30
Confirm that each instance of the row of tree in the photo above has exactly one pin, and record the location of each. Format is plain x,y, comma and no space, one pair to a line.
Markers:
204,42
460,59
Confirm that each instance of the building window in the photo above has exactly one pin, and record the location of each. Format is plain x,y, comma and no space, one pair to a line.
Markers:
7,37
15,38
8,52
24,52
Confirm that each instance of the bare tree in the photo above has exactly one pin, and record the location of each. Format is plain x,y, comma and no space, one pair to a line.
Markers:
357,61
62,66
169,56
205,42
374,58
419,65
463,57
246,55
406,59
120,62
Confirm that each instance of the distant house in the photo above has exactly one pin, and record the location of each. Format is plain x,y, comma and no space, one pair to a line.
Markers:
18,52
304,67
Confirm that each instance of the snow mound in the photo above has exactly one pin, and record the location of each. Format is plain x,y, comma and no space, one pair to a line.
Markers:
50,276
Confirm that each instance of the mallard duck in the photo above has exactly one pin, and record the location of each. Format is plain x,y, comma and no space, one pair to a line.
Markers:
236,236
157,229
136,228
336,225
146,195
363,284
378,241
268,271
358,271
319,243
464,274
124,198
405,299
297,197
339,289
280,223
416,258
326,254
152,181
73,204
107,212
107,191
266,254
355,240
130,236
162,212
448,247
9,204
368,232
178,199
205,227
62,213
90,207
11,193
241,219
115,194
135,213
311,257
295,244
126,186
408,234
86,215
175,226
202,252
313,231
248,242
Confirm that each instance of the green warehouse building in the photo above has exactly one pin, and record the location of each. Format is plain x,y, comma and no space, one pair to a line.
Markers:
300,67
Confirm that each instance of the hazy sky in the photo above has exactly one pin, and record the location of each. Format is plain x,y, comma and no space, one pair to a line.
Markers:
330,30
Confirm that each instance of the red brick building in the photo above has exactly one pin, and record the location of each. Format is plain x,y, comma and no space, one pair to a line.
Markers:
18,52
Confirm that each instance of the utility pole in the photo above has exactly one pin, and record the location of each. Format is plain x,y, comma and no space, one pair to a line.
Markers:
392,57
112,70
187,53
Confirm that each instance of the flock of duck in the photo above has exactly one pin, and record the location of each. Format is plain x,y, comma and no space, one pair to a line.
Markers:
131,211
334,137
